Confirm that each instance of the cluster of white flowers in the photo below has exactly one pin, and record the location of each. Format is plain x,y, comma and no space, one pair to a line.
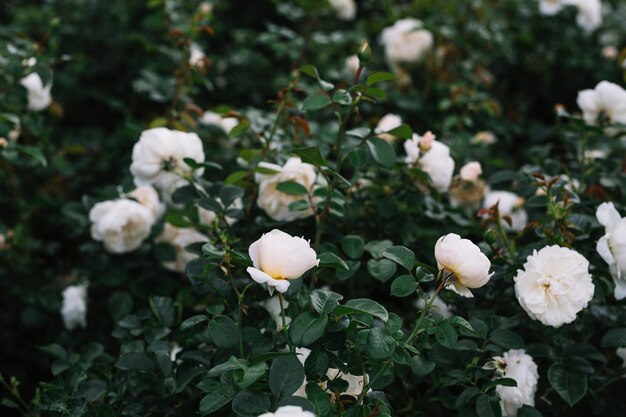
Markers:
433,157
74,308
344,9
612,246
39,97
606,102
589,16
276,203
406,41
554,285
518,365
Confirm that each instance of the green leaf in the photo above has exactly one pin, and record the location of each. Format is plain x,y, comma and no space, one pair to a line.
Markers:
403,132
377,247
403,256
34,153
342,97
446,335
298,402
537,201
251,403
377,77
330,260
286,375
571,386
353,246
292,188
421,366
236,177
324,302
299,205
307,328
527,411
310,155
320,399
219,394
614,338
315,102
136,362
506,339
363,305
379,345
223,331
240,129
229,193
403,286
506,382
376,93
381,269
192,321
382,152
467,394
163,309
484,408
231,364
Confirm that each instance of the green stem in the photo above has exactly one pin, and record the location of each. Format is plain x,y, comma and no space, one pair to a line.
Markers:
509,245
292,348
425,310
371,382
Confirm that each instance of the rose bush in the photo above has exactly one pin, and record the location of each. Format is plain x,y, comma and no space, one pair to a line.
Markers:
235,208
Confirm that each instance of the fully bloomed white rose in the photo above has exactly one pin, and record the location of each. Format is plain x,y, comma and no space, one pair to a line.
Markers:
605,101
225,123
289,411
406,41
520,367
554,285
179,238
433,158
39,96
148,197
471,171
276,203
74,308
279,257
122,225
465,261
207,217
550,7
509,204
344,9
158,157
385,124
612,246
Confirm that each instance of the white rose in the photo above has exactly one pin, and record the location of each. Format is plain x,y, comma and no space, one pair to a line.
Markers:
272,305
612,246
439,306
471,171
345,9
158,157
589,16
621,352
520,367
385,124
122,225
606,100
225,123
276,203
278,257
436,161
39,96
179,238
554,285
406,41
207,217
74,308
465,261
550,7
509,204
289,411
147,196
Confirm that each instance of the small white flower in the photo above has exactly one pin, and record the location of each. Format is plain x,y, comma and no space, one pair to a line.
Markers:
352,64
385,124
122,225
433,158
147,196
344,9
207,217
520,367
74,309
484,137
39,96
610,52
465,261
612,246
158,157
439,306
605,101
471,171
509,204
554,285
179,238
406,41
272,305
279,257
276,203
196,56
225,123
289,411
550,7
621,352
589,17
